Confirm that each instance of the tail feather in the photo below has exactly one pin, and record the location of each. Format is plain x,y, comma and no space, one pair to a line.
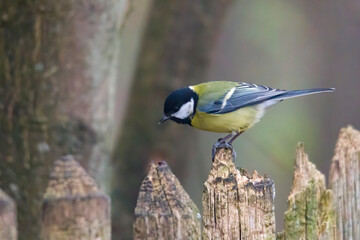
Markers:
298,93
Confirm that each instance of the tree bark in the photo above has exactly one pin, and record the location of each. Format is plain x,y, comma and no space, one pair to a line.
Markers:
310,213
345,183
8,223
235,205
73,206
57,79
176,52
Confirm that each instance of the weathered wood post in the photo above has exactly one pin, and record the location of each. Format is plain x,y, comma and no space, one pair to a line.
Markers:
310,213
8,224
73,206
164,210
345,183
235,205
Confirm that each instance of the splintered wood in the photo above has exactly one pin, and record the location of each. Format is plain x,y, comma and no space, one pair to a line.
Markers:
345,183
310,213
8,225
73,206
164,210
235,205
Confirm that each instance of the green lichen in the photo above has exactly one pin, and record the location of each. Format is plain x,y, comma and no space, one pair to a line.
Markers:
310,214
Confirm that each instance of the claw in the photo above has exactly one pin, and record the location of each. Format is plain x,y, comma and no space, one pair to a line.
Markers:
234,154
222,144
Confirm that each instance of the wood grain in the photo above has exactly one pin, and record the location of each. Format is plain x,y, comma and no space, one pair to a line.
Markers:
345,183
164,210
310,213
8,223
73,206
235,205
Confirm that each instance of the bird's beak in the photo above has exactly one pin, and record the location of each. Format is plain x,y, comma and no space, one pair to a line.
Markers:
163,119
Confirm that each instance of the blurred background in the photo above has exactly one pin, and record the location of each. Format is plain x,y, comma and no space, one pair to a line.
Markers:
90,77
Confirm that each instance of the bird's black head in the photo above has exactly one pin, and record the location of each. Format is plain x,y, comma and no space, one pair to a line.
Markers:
180,106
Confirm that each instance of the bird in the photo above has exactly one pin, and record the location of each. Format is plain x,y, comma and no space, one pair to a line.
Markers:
225,106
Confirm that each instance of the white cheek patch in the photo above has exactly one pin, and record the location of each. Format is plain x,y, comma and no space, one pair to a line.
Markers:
185,111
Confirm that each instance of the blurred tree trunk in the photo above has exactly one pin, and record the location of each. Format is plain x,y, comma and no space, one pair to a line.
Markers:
176,51
58,69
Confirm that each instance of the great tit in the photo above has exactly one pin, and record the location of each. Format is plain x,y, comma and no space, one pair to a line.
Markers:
225,107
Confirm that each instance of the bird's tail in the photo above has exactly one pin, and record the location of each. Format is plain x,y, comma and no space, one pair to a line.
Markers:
298,93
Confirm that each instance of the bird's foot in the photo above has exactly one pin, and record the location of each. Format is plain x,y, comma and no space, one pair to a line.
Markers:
222,144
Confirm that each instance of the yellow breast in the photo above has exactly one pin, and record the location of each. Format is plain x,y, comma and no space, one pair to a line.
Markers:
239,120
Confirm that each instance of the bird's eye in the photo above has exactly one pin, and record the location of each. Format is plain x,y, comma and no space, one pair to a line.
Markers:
176,108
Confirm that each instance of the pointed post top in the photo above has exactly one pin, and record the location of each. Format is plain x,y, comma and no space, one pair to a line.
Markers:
68,178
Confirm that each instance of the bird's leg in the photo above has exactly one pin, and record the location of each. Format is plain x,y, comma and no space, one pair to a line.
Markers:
221,140
221,143
234,137
231,141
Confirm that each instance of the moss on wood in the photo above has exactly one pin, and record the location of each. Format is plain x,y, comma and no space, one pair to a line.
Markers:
310,213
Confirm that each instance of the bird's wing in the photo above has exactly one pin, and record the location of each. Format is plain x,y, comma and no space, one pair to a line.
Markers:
240,95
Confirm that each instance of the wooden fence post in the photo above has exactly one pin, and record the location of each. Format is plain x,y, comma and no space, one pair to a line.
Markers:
8,224
73,206
310,213
164,210
345,183
235,205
